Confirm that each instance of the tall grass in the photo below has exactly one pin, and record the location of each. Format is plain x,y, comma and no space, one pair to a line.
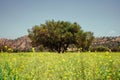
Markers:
53,66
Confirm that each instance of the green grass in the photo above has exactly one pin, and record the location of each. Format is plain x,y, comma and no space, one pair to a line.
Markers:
53,66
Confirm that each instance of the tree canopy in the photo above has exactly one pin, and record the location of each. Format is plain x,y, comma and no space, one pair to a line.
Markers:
58,35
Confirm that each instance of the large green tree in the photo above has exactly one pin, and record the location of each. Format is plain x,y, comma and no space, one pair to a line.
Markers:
58,35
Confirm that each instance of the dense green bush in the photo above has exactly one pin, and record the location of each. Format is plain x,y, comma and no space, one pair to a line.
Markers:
99,49
115,49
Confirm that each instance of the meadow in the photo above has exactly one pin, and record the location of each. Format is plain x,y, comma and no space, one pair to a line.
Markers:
54,66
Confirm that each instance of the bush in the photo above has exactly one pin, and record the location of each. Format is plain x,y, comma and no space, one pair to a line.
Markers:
99,49
115,49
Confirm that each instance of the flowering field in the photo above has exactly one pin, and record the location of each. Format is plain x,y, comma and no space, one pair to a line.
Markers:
53,66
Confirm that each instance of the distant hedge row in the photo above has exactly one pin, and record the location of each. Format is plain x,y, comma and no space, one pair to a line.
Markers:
103,49
41,49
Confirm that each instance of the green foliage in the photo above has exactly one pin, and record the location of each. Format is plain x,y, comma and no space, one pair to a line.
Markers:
99,49
6,49
58,35
115,49
33,49
68,66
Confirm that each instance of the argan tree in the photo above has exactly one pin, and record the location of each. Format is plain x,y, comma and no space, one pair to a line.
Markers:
58,35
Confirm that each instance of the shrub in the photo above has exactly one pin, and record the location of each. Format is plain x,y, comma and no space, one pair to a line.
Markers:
99,49
115,49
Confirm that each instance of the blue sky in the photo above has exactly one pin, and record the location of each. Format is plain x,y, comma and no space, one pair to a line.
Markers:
102,17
